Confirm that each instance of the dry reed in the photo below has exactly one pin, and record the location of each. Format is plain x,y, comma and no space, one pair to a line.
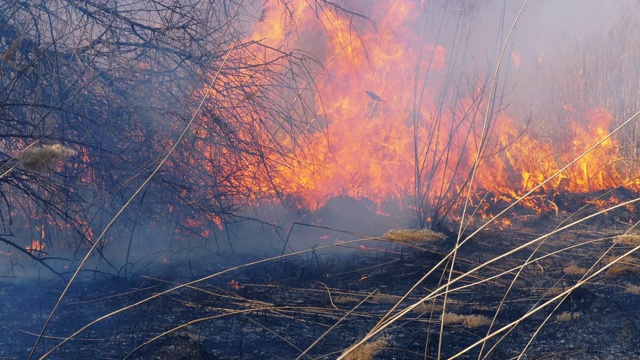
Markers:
44,158
575,270
468,321
369,350
632,289
568,316
413,236
627,239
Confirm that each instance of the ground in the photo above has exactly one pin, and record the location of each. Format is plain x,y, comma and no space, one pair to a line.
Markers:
319,304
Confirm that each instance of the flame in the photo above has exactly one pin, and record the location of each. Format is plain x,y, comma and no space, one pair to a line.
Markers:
383,141
36,246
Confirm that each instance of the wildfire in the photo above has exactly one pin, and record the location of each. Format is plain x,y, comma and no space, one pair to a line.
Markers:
388,135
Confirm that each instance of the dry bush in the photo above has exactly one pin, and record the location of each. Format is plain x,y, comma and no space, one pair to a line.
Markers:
468,321
627,239
413,235
45,158
632,289
575,270
369,350
568,316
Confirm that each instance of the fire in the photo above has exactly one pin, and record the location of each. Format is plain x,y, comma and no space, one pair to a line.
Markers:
391,135
35,247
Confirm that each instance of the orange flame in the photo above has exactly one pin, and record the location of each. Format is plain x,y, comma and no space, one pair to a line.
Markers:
36,246
378,128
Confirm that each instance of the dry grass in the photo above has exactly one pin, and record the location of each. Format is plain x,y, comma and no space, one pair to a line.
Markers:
554,291
568,316
12,49
632,289
427,308
626,266
345,299
369,350
575,270
468,321
627,239
385,298
45,158
413,235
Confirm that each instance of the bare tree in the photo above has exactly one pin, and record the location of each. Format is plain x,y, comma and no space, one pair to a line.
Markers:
116,82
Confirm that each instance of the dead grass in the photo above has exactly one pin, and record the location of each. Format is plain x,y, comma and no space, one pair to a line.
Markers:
632,289
627,239
575,270
468,321
44,158
413,235
627,266
427,308
345,299
385,298
554,291
369,350
568,316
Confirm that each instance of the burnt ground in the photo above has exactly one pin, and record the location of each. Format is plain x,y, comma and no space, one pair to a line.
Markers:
278,309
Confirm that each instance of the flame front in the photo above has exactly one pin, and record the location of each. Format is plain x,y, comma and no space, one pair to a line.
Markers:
396,130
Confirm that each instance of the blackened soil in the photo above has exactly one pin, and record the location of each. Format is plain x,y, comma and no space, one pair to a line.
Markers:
320,305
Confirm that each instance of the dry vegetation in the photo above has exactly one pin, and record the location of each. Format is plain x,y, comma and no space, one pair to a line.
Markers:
413,236
568,316
369,350
468,321
627,239
632,289
575,270
44,158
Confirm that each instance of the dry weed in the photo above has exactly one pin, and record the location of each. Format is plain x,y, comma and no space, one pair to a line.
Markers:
385,298
45,158
632,289
468,321
345,299
575,270
554,291
413,236
627,239
369,350
12,49
629,265
568,316
427,308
